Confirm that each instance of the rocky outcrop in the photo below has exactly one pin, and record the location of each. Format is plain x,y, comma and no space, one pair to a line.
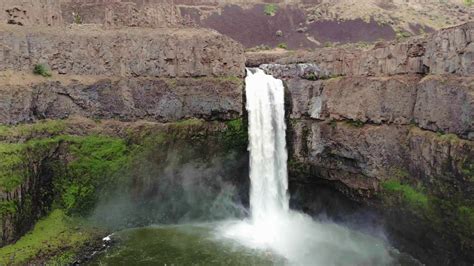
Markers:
294,23
391,127
172,75
108,13
446,104
160,75
449,51
435,103
124,99
135,53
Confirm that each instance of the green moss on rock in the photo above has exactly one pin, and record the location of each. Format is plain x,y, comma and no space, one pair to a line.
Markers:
12,172
410,195
53,234
84,168
235,136
7,208
45,127
96,160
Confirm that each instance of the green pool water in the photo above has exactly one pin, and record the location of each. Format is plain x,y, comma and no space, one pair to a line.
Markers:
199,244
180,245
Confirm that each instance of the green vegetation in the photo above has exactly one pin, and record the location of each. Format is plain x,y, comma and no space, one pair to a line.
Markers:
236,135
12,171
399,173
331,77
400,35
295,167
77,18
270,9
42,70
189,122
468,2
328,44
6,208
261,47
467,169
449,137
363,45
282,45
182,82
311,76
84,168
409,194
355,123
56,232
96,161
44,127
466,215
233,79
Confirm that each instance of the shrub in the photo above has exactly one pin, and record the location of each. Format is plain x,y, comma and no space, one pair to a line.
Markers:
402,35
468,2
270,10
77,18
311,76
42,70
355,123
282,45
328,44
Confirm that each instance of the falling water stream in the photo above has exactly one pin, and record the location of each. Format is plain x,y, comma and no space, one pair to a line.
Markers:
272,225
272,234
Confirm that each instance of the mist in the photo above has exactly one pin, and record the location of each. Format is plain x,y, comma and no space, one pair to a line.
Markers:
176,184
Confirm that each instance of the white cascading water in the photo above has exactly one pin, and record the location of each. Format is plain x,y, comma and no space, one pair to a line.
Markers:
272,226
268,157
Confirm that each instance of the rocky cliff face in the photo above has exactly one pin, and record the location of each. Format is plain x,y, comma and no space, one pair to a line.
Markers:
127,75
163,75
295,23
392,127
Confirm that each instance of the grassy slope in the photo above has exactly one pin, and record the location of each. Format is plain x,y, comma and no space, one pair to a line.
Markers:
54,234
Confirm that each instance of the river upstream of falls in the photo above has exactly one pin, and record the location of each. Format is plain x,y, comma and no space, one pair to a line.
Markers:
273,234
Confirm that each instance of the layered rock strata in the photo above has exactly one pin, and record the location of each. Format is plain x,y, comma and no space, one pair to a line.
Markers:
127,75
392,127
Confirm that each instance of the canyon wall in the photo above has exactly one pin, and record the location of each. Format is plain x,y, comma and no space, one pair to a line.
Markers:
133,78
392,127
256,24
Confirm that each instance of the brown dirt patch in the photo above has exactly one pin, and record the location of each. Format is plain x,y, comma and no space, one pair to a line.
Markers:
347,31
252,27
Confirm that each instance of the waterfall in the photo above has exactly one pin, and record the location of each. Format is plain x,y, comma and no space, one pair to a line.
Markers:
273,227
267,145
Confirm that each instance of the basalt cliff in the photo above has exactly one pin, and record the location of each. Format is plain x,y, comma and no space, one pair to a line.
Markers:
91,91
